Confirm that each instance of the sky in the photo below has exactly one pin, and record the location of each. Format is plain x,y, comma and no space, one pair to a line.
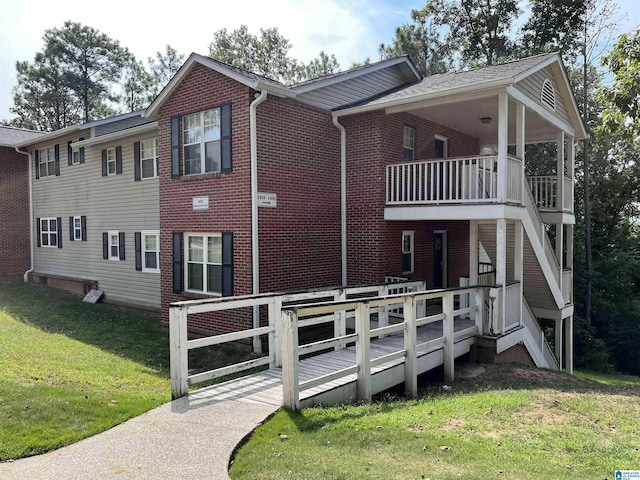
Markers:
352,30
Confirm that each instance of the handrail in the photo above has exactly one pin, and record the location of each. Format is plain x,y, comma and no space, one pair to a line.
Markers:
543,238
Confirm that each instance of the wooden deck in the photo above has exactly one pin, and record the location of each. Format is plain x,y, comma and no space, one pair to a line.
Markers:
266,386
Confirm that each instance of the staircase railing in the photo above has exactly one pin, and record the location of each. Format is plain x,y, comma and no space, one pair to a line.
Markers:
529,321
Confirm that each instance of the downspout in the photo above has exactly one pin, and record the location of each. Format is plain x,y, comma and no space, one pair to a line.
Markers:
32,250
343,200
255,250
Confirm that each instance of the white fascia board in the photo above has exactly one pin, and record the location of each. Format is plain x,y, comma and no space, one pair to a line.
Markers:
338,78
127,132
536,68
426,96
49,136
193,59
540,110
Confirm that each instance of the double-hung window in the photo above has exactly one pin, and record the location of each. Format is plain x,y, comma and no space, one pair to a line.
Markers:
408,143
77,228
201,142
111,161
149,158
407,251
114,246
49,232
47,159
203,253
150,251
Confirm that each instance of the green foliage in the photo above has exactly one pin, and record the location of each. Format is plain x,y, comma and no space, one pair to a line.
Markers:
163,67
137,86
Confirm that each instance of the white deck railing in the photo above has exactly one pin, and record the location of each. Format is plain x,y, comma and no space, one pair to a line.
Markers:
544,189
180,344
452,180
567,286
537,334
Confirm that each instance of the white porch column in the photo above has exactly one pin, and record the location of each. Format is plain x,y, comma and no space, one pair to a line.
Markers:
558,343
560,171
501,267
473,252
520,143
569,344
503,143
518,264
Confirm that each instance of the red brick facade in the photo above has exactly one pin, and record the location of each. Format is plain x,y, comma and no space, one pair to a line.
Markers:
14,228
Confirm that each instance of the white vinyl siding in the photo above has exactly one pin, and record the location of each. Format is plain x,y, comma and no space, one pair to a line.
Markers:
120,204
532,86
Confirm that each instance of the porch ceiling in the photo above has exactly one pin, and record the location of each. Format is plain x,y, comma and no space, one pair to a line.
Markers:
464,116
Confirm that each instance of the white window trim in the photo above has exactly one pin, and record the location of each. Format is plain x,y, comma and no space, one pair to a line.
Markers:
45,159
112,159
77,229
411,235
154,158
202,142
75,156
409,141
111,234
445,147
204,262
49,232
147,233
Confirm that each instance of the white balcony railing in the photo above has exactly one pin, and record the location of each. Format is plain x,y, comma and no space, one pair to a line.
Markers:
452,180
544,189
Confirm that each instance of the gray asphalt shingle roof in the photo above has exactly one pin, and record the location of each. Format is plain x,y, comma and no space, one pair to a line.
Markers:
10,136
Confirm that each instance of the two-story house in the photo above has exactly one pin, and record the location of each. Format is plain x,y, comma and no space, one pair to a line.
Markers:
233,184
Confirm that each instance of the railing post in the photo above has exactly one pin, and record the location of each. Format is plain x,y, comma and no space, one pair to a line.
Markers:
363,352
479,299
290,360
448,332
421,305
340,322
275,338
179,352
410,340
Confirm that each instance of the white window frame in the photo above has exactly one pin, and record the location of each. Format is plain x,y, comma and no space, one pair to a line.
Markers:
49,233
47,162
143,246
75,156
205,262
111,161
195,133
144,156
77,228
111,245
408,142
410,236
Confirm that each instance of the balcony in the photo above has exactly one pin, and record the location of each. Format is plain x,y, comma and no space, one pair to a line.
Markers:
454,181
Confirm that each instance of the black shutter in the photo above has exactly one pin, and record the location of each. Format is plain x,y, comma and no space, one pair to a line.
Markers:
121,245
83,226
177,262
69,154
71,235
81,151
38,230
104,163
59,229
227,264
118,160
176,171
56,150
36,156
225,136
105,245
138,245
137,168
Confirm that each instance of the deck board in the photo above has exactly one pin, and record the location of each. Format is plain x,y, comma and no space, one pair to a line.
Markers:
266,386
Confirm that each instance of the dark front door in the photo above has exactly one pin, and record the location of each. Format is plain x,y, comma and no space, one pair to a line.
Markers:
440,259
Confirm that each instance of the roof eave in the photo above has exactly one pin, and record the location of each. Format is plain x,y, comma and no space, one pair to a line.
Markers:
49,136
127,132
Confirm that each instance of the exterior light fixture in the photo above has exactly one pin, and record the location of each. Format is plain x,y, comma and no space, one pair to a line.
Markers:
486,120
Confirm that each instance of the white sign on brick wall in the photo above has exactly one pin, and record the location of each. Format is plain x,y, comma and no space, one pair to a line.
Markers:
200,203
269,200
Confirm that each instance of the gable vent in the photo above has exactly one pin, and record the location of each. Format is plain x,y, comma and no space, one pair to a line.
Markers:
548,95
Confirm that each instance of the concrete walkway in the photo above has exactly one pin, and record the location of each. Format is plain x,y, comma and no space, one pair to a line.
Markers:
192,437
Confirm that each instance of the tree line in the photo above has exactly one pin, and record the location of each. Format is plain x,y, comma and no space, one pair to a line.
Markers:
82,75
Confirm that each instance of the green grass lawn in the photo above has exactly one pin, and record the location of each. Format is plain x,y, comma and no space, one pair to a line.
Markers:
511,422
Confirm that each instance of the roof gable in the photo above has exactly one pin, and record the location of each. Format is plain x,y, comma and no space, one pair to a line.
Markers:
10,136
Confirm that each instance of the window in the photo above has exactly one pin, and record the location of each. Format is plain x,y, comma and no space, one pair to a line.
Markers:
148,251
49,233
149,158
113,245
201,142
441,147
75,156
111,161
47,160
77,228
203,254
408,141
407,251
